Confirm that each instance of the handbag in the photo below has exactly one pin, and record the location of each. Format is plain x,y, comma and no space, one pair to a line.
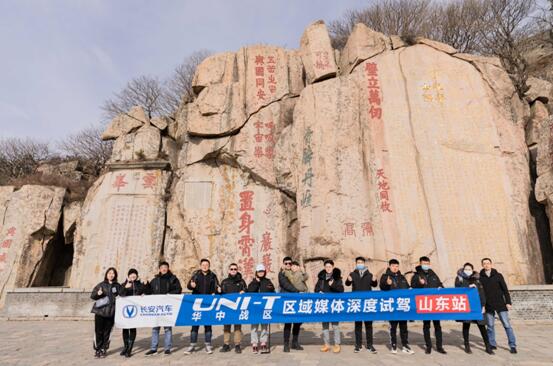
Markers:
100,303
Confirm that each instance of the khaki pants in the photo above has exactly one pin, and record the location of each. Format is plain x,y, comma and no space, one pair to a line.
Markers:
237,334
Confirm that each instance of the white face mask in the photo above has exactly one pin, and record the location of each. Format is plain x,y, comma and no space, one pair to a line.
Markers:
467,272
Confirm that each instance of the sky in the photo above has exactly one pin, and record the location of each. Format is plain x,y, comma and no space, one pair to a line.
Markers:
60,60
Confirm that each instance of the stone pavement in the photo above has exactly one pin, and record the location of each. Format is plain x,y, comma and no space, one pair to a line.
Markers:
70,343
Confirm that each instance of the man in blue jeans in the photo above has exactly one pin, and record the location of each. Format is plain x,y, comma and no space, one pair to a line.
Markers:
165,282
498,301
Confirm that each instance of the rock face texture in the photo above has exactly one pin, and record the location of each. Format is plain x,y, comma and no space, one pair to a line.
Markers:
385,150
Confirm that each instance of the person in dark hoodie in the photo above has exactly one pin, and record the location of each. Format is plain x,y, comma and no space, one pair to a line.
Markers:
468,277
498,300
131,287
260,283
330,280
163,283
425,277
203,282
103,309
392,279
286,286
231,285
361,279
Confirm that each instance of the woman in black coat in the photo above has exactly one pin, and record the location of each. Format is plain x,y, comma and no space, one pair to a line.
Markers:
468,277
104,295
131,287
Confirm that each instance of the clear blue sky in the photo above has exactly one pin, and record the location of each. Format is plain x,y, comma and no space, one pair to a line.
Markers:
62,59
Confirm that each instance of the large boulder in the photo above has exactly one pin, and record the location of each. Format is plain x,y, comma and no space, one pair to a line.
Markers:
317,54
125,123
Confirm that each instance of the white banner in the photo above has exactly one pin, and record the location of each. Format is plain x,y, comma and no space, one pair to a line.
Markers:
147,311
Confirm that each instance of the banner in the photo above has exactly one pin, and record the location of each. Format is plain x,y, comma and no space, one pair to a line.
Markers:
254,308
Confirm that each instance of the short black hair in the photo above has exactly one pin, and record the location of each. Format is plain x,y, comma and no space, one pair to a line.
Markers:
205,260
468,264
163,263
328,261
393,261
424,259
486,259
285,259
295,263
232,264
360,259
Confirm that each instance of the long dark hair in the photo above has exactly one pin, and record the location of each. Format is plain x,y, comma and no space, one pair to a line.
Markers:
114,272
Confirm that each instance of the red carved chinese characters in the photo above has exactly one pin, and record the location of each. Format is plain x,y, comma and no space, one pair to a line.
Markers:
383,191
373,89
149,180
246,242
120,182
264,139
264,72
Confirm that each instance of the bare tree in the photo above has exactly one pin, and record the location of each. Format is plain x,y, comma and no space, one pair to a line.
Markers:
20,157
545,20
88,147
178,87
145,91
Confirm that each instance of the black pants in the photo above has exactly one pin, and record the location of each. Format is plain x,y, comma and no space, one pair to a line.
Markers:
402,332
437,333
129,335
295,328
359,333
481,328
102,328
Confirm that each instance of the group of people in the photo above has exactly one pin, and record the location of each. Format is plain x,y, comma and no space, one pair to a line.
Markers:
492,289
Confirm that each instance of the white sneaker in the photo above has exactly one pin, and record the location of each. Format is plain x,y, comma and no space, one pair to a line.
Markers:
208,349
190,349
408,350
394,349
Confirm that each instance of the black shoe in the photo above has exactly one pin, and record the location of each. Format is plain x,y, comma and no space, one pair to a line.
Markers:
371,349
493,348
151,352
124,351
296,345
428,350
489,350
286,347
441,350
356,349
167,352
97,354
467,348
513,350
237,349
129,349
103,353
225,348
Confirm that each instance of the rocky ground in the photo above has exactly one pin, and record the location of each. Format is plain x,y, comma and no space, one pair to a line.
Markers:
70,343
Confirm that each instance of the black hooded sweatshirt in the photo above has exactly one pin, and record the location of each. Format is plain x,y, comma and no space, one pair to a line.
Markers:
263,285
233,284
323,282
398,281
361,282
431,279
206,283
164,284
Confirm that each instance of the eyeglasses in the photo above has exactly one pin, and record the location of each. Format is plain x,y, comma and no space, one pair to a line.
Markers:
287,263
234,269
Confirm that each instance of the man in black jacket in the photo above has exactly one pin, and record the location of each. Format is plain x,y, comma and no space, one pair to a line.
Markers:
164,282
362,280
202,282
231,285
329,280
498,300
394,280
425,277
286,286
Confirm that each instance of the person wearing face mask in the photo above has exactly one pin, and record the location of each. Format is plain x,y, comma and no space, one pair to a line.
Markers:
131,287
104,295
468,277
425,277
361,279
231,285
260,283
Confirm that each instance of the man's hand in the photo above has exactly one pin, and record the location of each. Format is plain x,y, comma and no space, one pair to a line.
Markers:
509,306
472,285
330,282
241,292
350,279
219,289
422,281
192,284
389,281
483,309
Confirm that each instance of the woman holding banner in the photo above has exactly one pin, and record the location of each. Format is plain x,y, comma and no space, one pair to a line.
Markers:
468,277
104,295
131,287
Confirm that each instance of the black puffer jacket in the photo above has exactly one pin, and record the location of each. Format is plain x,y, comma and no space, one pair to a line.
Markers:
398,281
233,284
431,279
206,283
112,290
323,285
164,284
361,282
263,285
137,288
462,280
495,288
285,284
